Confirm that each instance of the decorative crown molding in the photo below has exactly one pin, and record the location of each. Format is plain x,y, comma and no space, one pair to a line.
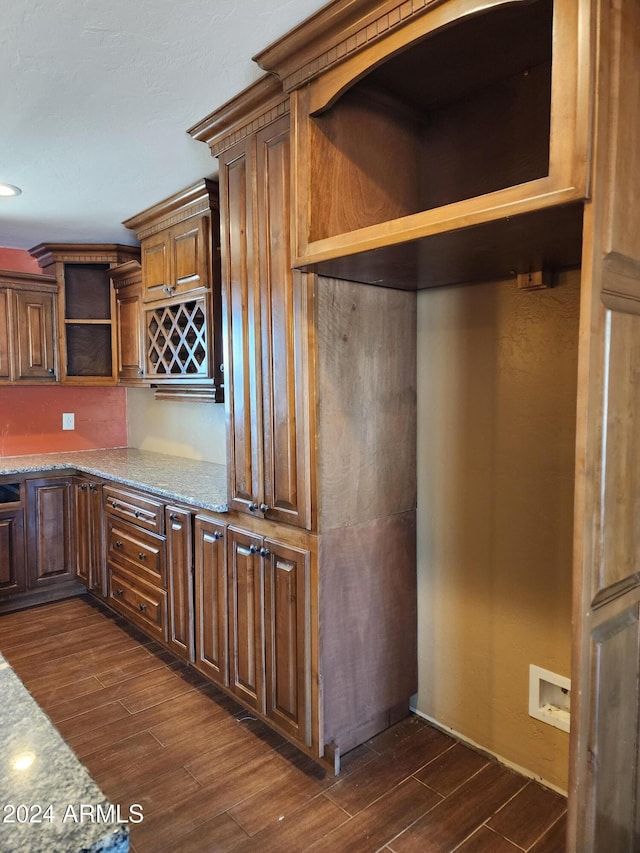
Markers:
255,107
196,199
339,30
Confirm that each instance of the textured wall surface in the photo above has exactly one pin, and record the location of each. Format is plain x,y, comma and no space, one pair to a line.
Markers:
496,397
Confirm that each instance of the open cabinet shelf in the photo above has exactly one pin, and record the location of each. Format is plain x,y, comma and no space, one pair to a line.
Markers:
462,117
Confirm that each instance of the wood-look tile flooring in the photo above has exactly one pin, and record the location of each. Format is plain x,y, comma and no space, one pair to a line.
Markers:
212,778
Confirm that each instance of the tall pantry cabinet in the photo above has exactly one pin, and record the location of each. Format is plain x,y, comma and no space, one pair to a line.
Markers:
321,433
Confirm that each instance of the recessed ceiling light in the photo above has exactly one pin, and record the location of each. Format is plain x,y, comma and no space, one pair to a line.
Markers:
9,190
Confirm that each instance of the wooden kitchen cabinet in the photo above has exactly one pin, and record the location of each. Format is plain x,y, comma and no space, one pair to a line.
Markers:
493,146
13,574
267,340
319,391
51,529
269,614
180,296
211,615
180,586
127,283
27,328
85,307
89,527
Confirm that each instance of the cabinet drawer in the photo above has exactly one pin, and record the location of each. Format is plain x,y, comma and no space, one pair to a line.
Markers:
135,550
144,604
132,506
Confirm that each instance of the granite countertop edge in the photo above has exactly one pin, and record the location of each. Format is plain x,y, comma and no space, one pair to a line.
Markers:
189,481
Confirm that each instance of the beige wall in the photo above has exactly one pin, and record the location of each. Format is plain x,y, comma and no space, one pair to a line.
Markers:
496,415
192,430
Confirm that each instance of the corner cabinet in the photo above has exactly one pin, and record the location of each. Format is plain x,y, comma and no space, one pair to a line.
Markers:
180,293
27,328
85,307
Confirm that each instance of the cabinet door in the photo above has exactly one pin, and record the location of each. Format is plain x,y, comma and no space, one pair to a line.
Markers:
5,331
284,323
50,547
211,651
287,623
130,336
190,255
156,272
246,609
35,337
242,333
82,507
12,563
180,581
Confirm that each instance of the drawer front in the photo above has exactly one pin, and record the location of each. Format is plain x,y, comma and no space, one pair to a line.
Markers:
139,552
131,506
144,604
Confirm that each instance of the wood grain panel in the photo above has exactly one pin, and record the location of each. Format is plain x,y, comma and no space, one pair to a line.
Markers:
35,357
211,651
246,614
243,327
12,558
287,621
50,542
180,581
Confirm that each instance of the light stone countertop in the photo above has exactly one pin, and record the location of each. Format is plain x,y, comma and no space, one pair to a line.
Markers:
201,484
43,785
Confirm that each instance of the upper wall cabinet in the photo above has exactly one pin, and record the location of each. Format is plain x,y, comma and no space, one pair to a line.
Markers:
86,307
181,292
127,283
412,123
27,330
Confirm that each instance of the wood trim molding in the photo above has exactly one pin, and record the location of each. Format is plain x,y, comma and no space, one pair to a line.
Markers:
336,32
9,278
257,106
192,201
127,273
47,254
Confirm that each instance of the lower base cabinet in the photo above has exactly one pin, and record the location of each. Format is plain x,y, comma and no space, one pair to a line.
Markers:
89,527
178,528
37,541
13,575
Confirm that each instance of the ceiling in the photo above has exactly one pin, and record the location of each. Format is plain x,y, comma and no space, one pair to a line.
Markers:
96,99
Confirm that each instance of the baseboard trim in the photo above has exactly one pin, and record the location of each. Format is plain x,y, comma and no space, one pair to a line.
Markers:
482,749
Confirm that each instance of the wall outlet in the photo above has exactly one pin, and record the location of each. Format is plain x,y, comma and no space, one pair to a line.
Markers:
549,697
68,420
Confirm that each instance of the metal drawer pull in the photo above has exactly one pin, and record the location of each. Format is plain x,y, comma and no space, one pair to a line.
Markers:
119,592
141,556
118,543
115,505
142,607
136,512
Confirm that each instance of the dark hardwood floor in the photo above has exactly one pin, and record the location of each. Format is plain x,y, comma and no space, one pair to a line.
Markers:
210,777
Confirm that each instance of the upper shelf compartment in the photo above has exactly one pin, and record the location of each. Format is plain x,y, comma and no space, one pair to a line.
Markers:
431,118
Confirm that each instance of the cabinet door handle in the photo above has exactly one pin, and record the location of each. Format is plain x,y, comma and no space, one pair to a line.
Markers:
252,506
142,607
51,371
172,516
119,592
118,543
264,507
254,549
92,487
217,535
82,487
265,552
